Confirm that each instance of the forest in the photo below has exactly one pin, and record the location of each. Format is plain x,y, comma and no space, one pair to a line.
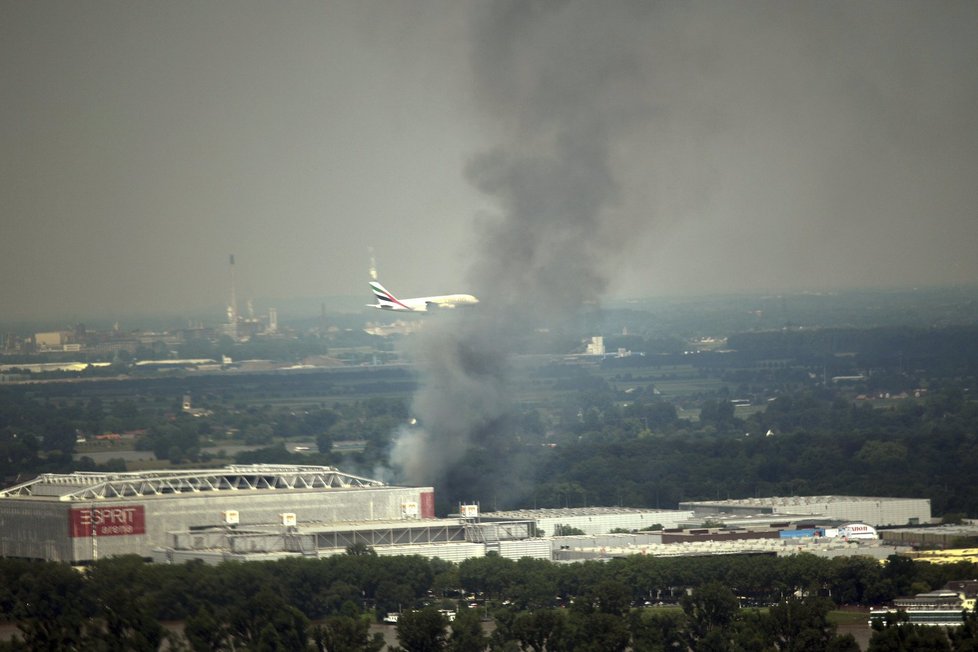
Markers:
590,444
637,603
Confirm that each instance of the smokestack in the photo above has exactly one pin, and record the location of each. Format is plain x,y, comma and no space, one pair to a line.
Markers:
232,325
373,264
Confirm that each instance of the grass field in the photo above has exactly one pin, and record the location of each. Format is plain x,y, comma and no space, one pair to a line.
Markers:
671,382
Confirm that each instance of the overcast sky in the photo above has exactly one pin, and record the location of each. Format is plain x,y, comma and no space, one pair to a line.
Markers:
751,146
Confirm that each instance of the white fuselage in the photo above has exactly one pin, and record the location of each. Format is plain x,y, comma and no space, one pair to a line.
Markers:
387,301
422,304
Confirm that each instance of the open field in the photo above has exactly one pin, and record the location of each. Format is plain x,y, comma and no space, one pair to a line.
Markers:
671,382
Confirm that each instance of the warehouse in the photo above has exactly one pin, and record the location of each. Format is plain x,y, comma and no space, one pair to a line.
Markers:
449,539
942,536
595,520
80,517
875,511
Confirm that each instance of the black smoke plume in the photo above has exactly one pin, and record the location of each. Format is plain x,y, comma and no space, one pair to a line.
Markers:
555,82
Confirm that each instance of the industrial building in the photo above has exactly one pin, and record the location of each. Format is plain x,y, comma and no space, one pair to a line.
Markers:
940,536
875,511
942,608
80,517
241,512
596,520
448,539
270,511
510,534
693,544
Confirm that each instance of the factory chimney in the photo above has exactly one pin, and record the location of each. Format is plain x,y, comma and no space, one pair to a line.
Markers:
232,325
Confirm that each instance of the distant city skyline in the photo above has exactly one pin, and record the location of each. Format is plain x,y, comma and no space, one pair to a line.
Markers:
763,146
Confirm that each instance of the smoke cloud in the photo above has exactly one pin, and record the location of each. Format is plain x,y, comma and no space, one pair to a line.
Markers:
554,81
769,144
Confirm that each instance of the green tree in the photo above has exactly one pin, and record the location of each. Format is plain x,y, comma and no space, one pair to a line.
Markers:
534,629
490,574
801,625
467,634
710,609
904,637
592,632
360,549
534,584
422,631
204,632
393,596
561,530
900,571
119,589
269,640
609,597
857,580
655,632
965,637
260,433
843,643
50,610
252,616
346,634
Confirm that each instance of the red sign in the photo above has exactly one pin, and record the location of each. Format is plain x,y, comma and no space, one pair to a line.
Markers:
107,521
427,504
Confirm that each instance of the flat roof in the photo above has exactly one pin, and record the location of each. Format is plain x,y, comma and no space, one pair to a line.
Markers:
81,486
318,527
562,512
787,501
963,530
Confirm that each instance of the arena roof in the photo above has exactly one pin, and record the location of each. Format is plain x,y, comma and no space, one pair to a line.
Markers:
80,486
567,512
789,501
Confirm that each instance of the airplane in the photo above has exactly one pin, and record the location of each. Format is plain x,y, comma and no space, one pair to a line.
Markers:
387,301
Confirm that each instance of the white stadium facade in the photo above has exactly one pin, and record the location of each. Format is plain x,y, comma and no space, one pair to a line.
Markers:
79,517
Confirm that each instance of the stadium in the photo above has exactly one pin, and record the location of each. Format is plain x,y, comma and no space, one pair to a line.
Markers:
80,517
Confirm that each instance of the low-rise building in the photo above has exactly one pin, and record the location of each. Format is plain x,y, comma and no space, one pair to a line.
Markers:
945,607
595,520
872,510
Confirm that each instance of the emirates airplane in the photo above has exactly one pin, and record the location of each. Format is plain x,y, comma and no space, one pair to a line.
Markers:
387,301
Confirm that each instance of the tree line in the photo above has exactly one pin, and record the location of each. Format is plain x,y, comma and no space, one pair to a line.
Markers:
603,451
122,603
590,448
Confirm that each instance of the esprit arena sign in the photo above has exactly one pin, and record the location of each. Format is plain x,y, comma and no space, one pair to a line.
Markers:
107,521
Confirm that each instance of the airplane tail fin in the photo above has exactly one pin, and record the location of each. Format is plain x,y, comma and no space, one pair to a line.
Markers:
384,298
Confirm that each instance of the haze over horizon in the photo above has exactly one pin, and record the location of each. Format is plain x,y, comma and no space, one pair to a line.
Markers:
762,146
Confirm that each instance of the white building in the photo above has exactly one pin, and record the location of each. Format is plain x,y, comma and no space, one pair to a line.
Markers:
595,346
873,510
595,520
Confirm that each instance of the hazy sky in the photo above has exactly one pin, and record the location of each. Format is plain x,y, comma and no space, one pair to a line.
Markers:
752,145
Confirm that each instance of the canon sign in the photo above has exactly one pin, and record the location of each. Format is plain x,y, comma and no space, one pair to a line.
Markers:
107,521
858,531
